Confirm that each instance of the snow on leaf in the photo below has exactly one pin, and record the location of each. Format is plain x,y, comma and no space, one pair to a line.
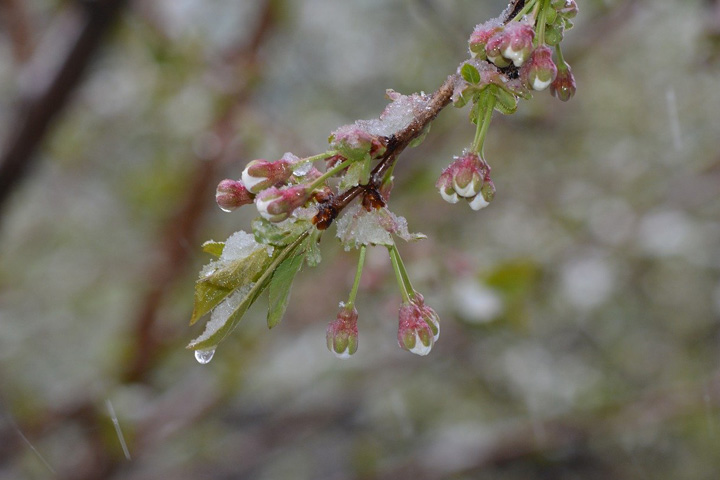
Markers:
360,227
213,248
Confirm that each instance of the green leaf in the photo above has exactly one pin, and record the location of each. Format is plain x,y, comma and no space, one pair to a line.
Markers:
216,331
313,256
419,139
358,173
211,289
279,234
213,248
470,74
279,288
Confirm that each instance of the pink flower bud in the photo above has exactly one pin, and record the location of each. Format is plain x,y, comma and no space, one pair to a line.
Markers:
231,194
414,332
463,178
342,334
514,43
353,141
277,204
429,315
540,70
261,174
563,87
480,36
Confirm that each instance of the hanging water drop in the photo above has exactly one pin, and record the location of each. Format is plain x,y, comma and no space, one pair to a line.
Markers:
204,356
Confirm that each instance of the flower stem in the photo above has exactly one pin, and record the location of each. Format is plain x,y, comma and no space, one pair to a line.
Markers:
483,125
561,65
329,174
406,288
526,8
398,274
358,274
541,23
319,156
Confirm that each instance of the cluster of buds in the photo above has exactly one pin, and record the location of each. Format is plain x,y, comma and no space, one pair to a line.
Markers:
342,333
524,44
277,188
467,177
418,326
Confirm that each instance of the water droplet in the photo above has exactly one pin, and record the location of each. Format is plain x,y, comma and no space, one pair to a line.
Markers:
226,209
204,356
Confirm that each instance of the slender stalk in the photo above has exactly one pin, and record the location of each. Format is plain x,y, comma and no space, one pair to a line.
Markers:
483,125
337,168
526,8
394,259
403,273
541,23
561,65
358,275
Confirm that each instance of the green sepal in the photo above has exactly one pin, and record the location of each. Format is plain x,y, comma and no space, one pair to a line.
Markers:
280,284
212,289
470,74
506,102
419,139
213,248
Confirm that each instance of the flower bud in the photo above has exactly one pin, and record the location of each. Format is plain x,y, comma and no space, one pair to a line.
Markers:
414,332
429,315
277,204
231,194
563,87
463,178
540,71
514,43
483,199
261,174
353,141
342,334
480,36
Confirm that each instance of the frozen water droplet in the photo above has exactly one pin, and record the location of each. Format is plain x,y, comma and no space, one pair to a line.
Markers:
303,169
204,356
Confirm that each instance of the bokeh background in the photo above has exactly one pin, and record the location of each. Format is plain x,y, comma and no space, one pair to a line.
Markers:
580,311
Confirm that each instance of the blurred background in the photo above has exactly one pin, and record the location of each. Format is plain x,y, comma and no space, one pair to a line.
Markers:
580,311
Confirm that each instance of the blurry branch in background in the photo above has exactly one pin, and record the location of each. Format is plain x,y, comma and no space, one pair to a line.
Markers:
146,342
181,230
37,108
14,18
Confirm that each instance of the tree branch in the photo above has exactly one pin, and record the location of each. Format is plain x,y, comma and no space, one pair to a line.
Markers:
34,120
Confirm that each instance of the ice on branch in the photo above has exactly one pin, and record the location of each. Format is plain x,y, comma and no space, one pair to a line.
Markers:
360,227
398,114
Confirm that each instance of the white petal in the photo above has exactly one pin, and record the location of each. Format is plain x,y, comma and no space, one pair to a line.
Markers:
478,202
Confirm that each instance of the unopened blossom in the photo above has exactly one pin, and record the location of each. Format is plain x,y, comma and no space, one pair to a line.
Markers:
428,314
261,174
414,332
354,141
277,204
540,70
514,43
563,87
231,194
464,178
480,36
342,333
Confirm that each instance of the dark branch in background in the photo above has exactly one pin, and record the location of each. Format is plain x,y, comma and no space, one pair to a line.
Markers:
330,209
37,113
15,19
